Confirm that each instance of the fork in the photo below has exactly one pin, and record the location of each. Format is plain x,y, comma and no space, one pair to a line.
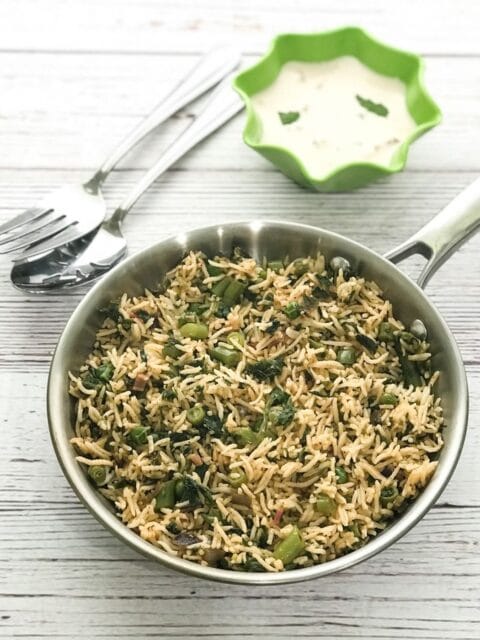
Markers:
80,264
73,211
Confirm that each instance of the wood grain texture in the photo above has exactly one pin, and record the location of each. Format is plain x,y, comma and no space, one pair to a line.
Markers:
75,75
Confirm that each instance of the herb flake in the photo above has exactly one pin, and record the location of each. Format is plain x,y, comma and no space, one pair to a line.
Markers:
288,117
377,108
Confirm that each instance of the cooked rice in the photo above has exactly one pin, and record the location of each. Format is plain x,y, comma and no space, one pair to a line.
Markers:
337,421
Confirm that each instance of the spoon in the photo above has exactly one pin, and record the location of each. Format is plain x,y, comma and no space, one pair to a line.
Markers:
73,211
87,259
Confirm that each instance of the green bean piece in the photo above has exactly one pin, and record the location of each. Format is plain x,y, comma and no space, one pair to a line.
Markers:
300,266
236,338
138,436
355,529
213,270
196,415
220,287
228,357
411,376
245,435
385,332
325,505
171,350
233,293
236,478
194,330
347,356
262,274
388,495
292,310
388,398
98,474
275,265
341,475
289,548
189,317
165,498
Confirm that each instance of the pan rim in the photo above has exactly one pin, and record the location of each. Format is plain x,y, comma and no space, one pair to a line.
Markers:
90,498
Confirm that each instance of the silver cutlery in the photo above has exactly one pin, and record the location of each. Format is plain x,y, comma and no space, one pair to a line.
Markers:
73,211
82,263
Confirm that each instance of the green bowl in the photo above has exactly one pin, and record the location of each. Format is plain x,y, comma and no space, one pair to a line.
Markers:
320,47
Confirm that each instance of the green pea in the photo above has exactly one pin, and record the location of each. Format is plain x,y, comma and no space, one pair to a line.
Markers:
341,475
325,505
194,330
98,474
388,495
165,498
347,356
236,478
292,310
388,398
233,293
236,338
245,435
138,436
196,415
289,548
385,332
228,357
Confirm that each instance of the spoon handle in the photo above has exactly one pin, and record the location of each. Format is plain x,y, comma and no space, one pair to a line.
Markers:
210,69
222,105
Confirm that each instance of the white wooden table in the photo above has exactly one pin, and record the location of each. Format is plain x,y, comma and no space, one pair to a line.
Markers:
75,75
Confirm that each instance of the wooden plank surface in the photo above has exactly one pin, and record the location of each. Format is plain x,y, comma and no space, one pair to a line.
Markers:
74,76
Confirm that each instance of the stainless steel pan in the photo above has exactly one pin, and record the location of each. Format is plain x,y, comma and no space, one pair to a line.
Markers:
274,240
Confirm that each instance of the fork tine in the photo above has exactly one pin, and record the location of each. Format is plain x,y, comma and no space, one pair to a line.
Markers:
25,229
35,237
26,216
69,234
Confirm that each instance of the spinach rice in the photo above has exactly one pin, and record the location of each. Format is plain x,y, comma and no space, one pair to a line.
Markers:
257,417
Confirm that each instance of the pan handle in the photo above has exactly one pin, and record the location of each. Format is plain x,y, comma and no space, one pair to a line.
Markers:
444,234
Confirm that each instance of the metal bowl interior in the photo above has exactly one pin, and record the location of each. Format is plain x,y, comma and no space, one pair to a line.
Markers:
272,240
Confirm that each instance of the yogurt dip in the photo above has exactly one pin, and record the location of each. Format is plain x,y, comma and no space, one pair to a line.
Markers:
334,113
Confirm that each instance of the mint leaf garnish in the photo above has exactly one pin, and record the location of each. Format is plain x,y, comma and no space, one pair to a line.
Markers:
375,107
287,117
